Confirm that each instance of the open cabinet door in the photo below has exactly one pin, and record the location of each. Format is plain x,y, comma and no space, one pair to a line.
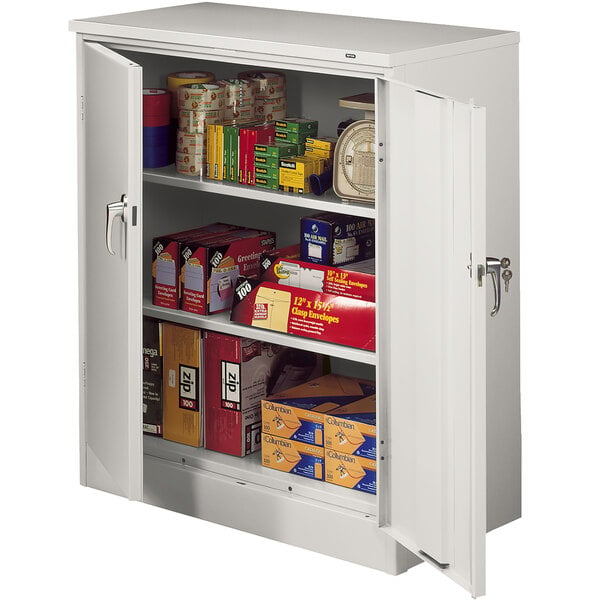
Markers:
431,341
110,270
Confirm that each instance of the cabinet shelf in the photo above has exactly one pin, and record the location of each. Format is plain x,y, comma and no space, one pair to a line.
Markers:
249,470
328,202
220,322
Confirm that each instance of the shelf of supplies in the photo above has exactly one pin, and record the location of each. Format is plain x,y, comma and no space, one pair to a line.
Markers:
221,323
249,470
328,202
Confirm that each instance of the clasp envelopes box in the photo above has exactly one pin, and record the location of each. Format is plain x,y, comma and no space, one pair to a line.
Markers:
292,457
335,240
182,384
214,266
355,472
298,413
352,431
326,317
238,374
152,396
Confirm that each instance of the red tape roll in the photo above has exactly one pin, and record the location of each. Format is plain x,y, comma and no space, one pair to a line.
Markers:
156,107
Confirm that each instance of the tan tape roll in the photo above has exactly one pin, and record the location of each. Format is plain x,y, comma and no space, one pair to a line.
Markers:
238,89
190,164
239,114
268,84
195,121
191,143
174,80
270,112
201,96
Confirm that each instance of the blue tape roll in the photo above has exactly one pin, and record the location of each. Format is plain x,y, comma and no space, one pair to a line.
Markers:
156,146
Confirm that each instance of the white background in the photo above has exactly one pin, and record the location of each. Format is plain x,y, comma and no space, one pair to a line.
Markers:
61,540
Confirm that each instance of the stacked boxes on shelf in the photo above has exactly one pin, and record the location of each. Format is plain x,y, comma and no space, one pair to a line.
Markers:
293,425
238,374
266,162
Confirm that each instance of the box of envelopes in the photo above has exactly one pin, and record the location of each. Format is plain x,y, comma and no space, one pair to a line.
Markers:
304,312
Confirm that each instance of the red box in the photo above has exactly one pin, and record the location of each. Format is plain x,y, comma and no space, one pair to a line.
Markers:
325,317
356,281
209,269
166,267
257,134
238,374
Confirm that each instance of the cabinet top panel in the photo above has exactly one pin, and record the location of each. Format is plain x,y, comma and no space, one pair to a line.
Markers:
349,40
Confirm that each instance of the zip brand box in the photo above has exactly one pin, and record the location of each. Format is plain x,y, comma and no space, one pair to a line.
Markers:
293,457
357,281
299,413
332,239
351,429
354,472
166,264
182,385
238,374
152,396
325,317
210,269
298,125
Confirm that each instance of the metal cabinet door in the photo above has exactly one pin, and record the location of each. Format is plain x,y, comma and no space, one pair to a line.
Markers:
110,99
431,340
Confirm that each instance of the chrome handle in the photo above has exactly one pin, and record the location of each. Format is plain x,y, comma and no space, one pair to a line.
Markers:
114,210
493,267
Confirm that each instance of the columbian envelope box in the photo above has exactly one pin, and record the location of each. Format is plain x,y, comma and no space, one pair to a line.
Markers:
352,433
299,413
316,315
238,374
182,385
292,456
354,472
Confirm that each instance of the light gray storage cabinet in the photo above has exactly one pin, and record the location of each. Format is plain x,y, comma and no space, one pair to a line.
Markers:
446,199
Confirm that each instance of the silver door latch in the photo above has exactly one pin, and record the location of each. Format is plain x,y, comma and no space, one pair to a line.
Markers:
497,268
114,210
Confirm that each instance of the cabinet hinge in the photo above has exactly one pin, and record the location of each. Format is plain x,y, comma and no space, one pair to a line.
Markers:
434,562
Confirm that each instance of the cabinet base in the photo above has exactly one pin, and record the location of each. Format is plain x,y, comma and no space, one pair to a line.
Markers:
318,526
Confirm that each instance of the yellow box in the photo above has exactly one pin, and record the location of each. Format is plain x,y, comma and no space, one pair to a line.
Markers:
214,151
317,152
353,472
292,457
352,429
324,143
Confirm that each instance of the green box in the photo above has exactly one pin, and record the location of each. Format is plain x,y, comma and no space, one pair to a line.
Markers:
231,138
266,182
298,125
276,150
265,161
291,137
263,171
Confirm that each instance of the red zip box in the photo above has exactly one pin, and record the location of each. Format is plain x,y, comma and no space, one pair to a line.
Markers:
238,374
325,317
209,269
166,267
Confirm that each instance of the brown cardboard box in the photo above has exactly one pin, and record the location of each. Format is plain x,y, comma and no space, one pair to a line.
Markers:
182,385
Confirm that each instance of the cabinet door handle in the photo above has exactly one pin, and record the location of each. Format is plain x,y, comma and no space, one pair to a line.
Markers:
493,267
114,210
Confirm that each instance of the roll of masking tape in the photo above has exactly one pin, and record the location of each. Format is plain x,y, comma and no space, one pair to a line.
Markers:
201,96
267,84
270,112
191,143
195,121
156,104
190,164
237,89
174,80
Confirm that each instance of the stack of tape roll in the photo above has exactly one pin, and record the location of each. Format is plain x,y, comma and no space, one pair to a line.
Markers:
175,80
239,100
200,104
156,104
270,93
